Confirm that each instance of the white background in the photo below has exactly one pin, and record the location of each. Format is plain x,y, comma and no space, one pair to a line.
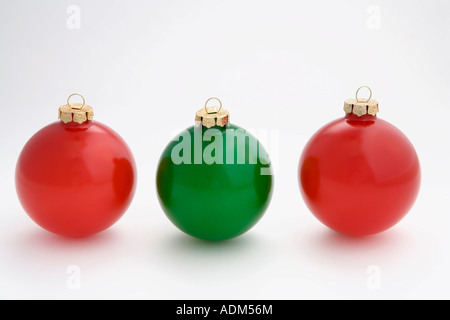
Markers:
280,67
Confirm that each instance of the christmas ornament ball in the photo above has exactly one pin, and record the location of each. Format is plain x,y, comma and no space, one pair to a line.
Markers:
75,177
211,183
359,175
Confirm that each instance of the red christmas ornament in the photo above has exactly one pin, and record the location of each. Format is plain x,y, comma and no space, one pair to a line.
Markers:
75,177
359,175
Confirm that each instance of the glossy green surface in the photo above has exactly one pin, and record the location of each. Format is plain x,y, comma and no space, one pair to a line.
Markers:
214,201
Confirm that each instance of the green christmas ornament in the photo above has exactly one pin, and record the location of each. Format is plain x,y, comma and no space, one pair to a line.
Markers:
214,180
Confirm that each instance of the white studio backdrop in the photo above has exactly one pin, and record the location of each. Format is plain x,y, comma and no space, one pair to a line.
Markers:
282,69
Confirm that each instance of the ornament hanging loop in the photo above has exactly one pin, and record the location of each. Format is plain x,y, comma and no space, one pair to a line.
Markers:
75,94
212,116
215,111
361,100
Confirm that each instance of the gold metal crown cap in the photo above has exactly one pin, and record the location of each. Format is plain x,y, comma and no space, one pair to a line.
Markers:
212,116
75,112
360,106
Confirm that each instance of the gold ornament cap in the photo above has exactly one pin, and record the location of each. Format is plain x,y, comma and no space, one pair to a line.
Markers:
212,116
75,112
360,106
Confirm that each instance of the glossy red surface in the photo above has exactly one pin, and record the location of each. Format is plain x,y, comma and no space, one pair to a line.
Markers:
359,176
75,180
